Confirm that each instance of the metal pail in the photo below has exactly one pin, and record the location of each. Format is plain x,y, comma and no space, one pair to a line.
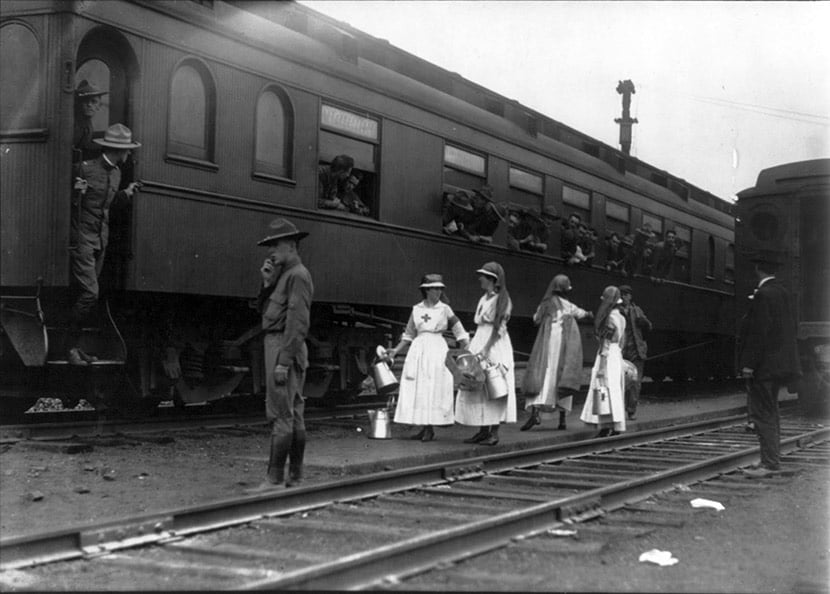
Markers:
496,382
385,381
379,424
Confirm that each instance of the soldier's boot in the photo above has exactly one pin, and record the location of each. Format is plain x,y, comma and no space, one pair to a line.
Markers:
295,459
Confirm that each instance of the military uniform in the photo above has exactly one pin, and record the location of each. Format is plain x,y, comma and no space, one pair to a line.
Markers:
90,230
285,308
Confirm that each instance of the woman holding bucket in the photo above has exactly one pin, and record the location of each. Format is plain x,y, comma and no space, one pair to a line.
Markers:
605,405
554,370
484,408
426,388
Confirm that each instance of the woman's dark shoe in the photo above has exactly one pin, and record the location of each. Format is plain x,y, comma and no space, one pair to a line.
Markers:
612,433
419,435
491,440
562,425
533,420
429,434
482,434
603,433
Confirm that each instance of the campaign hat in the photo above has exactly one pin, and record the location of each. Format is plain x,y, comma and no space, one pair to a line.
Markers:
626,290
117,136
550,213
85,89
430,281
461,199
486,192
281,229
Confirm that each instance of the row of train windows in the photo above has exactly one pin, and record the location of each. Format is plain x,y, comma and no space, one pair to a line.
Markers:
191,138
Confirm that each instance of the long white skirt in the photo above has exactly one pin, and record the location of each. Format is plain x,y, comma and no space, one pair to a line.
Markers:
475,407
616,392
425,394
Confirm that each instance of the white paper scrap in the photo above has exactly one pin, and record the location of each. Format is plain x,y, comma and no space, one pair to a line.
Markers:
561,532
707,503
661,558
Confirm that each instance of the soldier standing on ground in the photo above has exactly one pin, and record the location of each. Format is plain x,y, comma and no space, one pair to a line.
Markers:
635,347
285,304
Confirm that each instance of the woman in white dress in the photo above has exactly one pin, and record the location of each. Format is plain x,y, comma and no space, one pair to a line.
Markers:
425,395
554,370
605,404
492,343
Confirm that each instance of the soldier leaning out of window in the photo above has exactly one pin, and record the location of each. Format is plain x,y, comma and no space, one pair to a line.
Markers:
350,199
332,180
636,262
486,215
569,239
662,256
614,253
458,214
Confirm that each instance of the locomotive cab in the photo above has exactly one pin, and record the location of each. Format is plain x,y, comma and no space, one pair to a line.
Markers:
787,213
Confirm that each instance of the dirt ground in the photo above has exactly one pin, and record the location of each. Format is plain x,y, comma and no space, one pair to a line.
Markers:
775,541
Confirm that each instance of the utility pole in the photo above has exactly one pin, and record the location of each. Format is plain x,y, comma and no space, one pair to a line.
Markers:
626,89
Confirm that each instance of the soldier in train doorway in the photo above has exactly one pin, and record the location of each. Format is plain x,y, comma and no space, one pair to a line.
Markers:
94,190
285,305
87,104
768,357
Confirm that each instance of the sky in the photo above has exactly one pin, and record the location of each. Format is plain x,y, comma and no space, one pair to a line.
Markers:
723,89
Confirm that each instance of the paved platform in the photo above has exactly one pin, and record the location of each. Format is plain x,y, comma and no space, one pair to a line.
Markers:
354,453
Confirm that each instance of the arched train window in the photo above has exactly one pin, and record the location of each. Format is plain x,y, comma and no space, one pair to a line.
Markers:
192,117
21,103
274,135
710,258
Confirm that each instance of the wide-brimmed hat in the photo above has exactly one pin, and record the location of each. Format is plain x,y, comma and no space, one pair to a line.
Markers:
461,199
486,192
626,290
431,281
85,90
118,136
550,213
281,229
490,269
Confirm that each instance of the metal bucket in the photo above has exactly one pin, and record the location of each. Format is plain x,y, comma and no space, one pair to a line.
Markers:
379,424
385,382
496,382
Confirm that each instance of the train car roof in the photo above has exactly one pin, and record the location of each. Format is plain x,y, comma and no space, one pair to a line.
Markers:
788,177
349,42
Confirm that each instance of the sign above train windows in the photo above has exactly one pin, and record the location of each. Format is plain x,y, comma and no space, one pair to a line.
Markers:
525,180
349,122
465,160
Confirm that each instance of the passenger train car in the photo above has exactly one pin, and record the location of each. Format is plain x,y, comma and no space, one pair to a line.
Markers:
237,104
787,214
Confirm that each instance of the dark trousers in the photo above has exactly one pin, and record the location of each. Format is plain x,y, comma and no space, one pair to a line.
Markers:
87,263
763,410
284,404
632,394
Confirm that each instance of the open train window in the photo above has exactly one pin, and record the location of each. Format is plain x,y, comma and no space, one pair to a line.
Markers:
192,116
464,168
274,135
617,218
683,238
576,201
655,222
348,161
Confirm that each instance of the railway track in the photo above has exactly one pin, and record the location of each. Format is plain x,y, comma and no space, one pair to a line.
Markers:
380,529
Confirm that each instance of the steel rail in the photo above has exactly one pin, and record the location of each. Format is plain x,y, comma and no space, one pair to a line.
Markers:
390,563
100,538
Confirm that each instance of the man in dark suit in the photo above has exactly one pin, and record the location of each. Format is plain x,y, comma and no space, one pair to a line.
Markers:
768,357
